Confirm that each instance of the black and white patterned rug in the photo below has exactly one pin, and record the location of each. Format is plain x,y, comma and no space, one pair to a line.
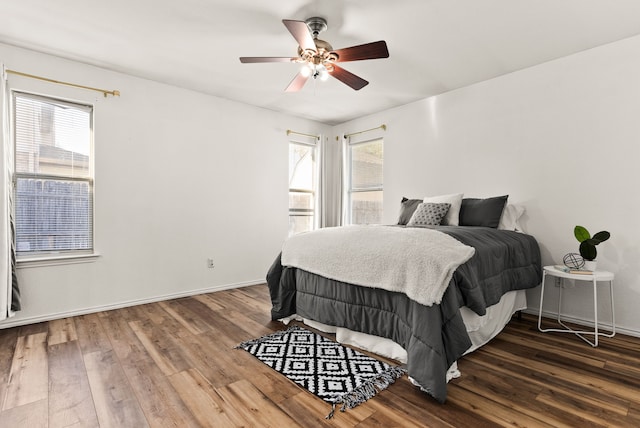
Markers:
335,373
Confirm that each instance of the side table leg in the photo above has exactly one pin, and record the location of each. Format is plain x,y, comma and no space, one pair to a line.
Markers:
544,276
560,292
595,311
613,311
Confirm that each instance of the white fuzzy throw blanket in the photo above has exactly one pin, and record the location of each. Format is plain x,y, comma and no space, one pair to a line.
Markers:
415,261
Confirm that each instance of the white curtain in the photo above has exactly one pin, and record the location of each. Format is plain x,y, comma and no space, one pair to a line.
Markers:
330,182
344,199
9,293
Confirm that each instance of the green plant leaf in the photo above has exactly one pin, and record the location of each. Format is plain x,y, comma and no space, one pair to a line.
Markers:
581,233
588,250
601,236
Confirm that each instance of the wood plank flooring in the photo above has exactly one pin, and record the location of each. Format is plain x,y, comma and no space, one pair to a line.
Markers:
172,364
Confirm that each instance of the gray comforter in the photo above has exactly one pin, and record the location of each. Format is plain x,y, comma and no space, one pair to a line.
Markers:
433,336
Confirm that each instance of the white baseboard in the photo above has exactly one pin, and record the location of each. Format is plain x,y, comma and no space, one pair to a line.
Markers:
12,322
606,325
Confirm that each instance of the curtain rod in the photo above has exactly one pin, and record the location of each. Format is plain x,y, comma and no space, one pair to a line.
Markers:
383,127
289,132
115,93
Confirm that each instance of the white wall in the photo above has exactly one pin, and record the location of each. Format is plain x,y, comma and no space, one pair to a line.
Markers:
562,138
180,177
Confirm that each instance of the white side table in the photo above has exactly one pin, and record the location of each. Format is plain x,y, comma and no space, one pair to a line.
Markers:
597,276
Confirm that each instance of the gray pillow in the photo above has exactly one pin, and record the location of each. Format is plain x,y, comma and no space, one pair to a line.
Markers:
407,208
482,212
428,214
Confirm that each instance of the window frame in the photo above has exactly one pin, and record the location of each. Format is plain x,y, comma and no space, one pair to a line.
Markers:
54,257
305,212
350,189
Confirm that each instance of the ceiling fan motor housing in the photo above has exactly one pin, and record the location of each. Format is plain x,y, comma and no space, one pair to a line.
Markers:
316,25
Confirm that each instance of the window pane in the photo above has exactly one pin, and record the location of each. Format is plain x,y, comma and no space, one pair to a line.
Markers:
52,138
54,182
301,167
366,182
366,207
366,165
53,215
302,187
300,223
301,200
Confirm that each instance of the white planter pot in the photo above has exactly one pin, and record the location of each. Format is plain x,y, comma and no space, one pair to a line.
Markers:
590,265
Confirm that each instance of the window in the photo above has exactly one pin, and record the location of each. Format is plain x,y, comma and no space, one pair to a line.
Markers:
365,182
54,176
302,187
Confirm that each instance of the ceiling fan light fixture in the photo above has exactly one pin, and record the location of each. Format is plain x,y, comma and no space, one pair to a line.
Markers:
322,72
306,70
317,71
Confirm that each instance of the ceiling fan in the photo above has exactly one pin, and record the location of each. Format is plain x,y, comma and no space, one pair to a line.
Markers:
318,57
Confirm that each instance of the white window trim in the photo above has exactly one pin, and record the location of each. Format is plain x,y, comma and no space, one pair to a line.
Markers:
56,260
72,256
316,179
348,168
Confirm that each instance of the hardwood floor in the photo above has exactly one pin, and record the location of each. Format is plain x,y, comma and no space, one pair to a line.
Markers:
173,364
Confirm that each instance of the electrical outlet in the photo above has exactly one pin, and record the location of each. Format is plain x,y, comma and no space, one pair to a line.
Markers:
210,264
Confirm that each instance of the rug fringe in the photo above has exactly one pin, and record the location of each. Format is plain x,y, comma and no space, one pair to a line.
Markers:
333,410
368,389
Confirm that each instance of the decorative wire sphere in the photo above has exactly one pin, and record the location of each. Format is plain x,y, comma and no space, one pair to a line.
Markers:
573,261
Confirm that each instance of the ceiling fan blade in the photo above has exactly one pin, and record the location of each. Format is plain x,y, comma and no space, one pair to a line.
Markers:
348,78
297,83
367,51
300,32
253,59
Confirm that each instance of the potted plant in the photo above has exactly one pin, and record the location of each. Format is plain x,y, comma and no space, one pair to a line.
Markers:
588,245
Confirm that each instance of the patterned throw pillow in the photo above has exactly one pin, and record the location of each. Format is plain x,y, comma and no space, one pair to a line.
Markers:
453,215
429,214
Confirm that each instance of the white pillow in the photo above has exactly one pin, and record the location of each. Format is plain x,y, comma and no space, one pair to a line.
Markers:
510,218
455,200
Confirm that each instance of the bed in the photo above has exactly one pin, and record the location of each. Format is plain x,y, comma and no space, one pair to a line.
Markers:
475,295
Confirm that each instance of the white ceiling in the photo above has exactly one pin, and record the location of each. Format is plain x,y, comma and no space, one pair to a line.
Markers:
435,45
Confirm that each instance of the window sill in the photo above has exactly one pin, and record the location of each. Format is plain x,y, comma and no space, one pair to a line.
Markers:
50,260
